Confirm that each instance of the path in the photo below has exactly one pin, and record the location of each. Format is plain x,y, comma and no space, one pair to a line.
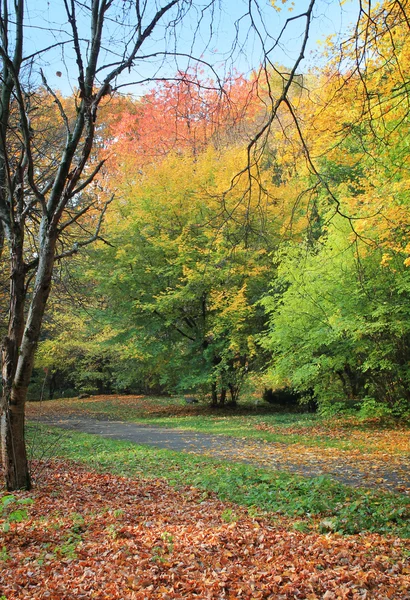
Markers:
357,470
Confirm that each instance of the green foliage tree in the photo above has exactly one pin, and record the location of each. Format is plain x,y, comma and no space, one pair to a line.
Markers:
338,315
181,279
341,327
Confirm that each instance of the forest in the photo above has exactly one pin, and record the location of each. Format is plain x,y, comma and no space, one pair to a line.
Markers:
243,236
221,274
204,300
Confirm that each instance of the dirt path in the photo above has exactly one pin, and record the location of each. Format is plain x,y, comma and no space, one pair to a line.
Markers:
386,472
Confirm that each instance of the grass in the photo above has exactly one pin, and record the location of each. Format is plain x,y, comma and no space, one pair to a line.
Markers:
312,504
258,422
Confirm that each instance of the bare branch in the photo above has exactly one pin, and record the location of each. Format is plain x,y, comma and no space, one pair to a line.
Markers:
81,244
88,180
76,40
58,102
144,35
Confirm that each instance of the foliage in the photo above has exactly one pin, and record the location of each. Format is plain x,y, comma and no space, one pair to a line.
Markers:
186,252
341,327
185,115
12,510
339,305
203,244
75,357
181,280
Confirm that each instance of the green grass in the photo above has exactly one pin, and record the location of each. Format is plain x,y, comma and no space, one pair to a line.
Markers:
242,422
312,503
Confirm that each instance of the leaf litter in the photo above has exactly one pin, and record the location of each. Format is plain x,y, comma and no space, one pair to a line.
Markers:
101,536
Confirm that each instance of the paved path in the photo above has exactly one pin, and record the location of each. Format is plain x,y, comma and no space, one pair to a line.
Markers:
355,470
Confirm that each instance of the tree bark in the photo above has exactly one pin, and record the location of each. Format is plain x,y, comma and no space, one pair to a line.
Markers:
234,390
12,432
222,397
18,358
14,456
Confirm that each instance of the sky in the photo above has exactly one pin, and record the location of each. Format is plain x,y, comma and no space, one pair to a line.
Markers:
48,22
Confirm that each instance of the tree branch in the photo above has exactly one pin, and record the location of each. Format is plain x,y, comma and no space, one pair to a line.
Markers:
89,179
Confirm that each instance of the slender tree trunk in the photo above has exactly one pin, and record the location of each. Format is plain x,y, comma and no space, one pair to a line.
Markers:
222,397
52,385
2,236
18,360
214,396
234,389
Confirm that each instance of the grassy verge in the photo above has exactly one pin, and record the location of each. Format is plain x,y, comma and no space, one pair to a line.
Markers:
261,422
317,503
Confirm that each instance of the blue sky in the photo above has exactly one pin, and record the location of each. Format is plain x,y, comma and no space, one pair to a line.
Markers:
48,21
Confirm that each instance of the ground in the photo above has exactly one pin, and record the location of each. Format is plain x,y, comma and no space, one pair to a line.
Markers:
105,537
377,469
116,520
354,452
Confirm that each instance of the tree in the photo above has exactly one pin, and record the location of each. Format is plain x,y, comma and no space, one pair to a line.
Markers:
180,281
187,259
183,249
185,114
339,324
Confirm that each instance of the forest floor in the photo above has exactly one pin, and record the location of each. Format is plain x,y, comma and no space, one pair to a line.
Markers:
111,519
100,536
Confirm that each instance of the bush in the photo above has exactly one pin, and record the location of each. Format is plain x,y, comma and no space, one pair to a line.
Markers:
290,398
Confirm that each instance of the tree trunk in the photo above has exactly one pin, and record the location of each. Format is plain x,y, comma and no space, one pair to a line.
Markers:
52,384
214,400
16,471
234,389
2,236
13,449
17,369
222,397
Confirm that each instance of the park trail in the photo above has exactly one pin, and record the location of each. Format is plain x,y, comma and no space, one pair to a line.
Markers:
379,471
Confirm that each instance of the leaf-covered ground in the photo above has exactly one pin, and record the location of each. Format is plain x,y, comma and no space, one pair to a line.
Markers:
106,537
316,504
